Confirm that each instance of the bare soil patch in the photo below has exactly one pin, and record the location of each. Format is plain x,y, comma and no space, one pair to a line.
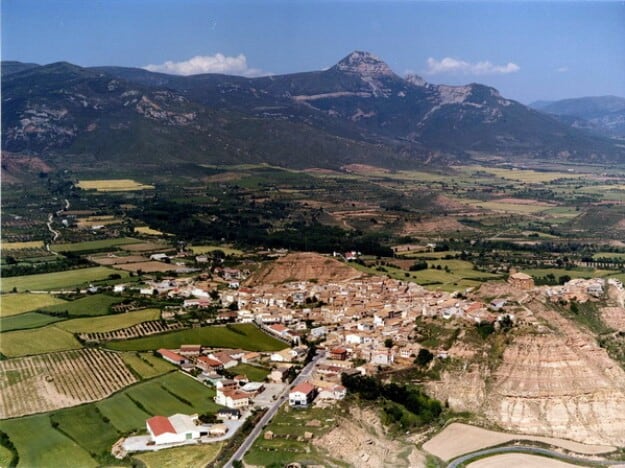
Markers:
362,441
437,225
365,169
523,201
614,317
458,439
519,460
303,267
114,260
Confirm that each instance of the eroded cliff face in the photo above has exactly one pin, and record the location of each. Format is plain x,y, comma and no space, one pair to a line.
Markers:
561,386
552,380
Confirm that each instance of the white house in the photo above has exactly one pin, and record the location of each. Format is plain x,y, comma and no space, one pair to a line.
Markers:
176,428
232,398
336,392
302,395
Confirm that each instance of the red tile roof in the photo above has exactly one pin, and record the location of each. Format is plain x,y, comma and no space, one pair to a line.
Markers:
170,355
160,425
304,388
278,327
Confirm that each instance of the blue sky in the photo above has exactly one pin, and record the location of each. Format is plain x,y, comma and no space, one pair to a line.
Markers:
528,50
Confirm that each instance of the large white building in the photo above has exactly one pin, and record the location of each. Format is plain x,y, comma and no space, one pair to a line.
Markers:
176,428
302,395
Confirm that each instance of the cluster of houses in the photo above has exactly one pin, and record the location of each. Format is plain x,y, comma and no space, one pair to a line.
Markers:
581,290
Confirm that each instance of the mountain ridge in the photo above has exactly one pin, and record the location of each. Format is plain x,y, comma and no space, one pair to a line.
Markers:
359,110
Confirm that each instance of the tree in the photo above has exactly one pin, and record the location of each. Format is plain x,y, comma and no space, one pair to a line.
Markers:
388,342
424,357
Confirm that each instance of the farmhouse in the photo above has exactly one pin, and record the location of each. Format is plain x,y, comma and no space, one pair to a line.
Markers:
190,350
176,428
229,414
302,395
172,357
207,364
232,398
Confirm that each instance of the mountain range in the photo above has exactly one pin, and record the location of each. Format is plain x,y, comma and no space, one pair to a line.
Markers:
358,111
603,114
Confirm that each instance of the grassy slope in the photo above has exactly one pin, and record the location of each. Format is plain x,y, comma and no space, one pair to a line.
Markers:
13,304
193,455
98,304
109,322
146,365
40,445
243,336
26,321
63,279
38,341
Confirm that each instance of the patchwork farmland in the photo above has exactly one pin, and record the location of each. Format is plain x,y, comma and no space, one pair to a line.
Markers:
152,327
47,382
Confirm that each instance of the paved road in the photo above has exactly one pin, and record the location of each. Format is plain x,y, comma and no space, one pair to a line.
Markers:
271,412
531,450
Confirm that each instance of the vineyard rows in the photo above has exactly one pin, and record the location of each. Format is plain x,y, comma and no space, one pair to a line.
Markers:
36,384
136,331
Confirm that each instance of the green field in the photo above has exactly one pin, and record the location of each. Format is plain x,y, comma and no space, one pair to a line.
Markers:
244,336
5,456
146,365
109,322
13,304
85,433
86,425
254,373
169,394
94,245
573,273
59,280
41,340
97,304
26,321
123,413
193,455
460,274
40,445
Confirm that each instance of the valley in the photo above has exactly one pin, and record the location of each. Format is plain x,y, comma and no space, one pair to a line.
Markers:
342,267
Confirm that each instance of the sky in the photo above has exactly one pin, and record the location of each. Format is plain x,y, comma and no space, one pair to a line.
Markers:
529,50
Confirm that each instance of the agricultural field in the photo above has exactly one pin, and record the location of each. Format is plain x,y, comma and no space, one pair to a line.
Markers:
47,339
284,447
40,445
192,455
109,322
148,231
254,373
86,433
149,266
244,336
58,280
113,185
21,245
102,244
90,221
14,304
172,393
42,383
146,365
26,321
91,305
227,249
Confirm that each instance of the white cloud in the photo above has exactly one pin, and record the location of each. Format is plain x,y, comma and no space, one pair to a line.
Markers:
217,63
452,65
562,69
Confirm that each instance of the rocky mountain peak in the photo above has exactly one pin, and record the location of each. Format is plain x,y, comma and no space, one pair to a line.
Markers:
364,63
415,80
